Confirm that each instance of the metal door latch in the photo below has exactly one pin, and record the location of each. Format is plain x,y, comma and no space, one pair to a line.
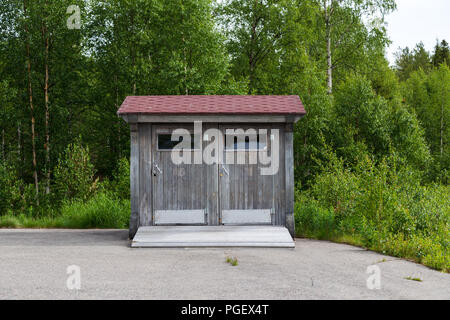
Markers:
225,170
156,168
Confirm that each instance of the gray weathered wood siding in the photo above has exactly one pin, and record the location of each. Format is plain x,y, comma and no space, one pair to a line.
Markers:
208,187
289,178
183,186
134,180
145,175
245,188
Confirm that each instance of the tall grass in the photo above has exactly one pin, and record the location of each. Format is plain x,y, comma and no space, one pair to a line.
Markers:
103,210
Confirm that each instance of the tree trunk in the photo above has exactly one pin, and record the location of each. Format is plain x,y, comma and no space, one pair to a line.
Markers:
186,89
47,112
30,95
251,58
330,67
117,108
133,52
19,149
328,38
185,72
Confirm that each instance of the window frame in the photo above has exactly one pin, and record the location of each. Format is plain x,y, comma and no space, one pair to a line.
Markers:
192,149
236,149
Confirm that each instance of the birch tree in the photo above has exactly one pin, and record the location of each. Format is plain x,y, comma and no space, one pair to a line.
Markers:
30,97
347,26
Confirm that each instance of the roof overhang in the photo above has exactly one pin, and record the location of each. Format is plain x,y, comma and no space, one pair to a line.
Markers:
210,118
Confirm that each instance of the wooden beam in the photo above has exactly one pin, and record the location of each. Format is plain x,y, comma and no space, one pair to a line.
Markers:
289,165
211,118
134,180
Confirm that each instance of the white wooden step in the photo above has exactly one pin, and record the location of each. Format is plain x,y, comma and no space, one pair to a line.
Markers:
213,236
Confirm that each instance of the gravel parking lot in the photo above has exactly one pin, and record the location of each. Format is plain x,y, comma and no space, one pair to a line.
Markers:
34,265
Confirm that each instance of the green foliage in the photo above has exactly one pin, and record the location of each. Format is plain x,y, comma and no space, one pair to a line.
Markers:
429,96
10,189
441,54
313,221
382,206
25,221
384,80
408,61
253,30
9,221
361,116
310,135
104,210
6,115
74,173
368,122
121,182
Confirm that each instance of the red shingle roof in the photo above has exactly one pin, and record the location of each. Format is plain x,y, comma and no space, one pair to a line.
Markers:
212,104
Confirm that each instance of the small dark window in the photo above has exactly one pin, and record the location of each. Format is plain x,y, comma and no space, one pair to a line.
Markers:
165,142
245,145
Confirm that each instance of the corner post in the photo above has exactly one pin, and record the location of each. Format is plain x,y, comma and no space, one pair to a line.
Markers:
289,168
134,179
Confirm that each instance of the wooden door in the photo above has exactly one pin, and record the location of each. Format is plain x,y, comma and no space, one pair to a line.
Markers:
246,196
183,194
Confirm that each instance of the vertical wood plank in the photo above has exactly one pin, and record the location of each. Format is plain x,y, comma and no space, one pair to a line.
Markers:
211,183
281,195
134,180
157,178
289,169
145,177
268,181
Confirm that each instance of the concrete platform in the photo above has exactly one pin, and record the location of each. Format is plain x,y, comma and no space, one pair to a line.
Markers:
213,236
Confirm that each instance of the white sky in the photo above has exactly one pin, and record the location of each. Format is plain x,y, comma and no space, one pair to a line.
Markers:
418,20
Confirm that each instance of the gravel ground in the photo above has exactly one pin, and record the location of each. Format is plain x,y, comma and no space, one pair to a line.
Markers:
34,264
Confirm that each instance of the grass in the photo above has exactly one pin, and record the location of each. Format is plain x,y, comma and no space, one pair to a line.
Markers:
23,221
232,260
414,279
103,211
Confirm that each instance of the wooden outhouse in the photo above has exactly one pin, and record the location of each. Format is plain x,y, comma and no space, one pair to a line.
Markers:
211,160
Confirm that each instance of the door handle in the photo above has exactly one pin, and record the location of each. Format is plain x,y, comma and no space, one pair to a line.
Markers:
225,170
156,168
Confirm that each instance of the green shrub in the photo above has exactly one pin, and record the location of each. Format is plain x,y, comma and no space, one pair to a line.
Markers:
380,205
9,221
121,182
10,194
313,221
103,210
74,173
